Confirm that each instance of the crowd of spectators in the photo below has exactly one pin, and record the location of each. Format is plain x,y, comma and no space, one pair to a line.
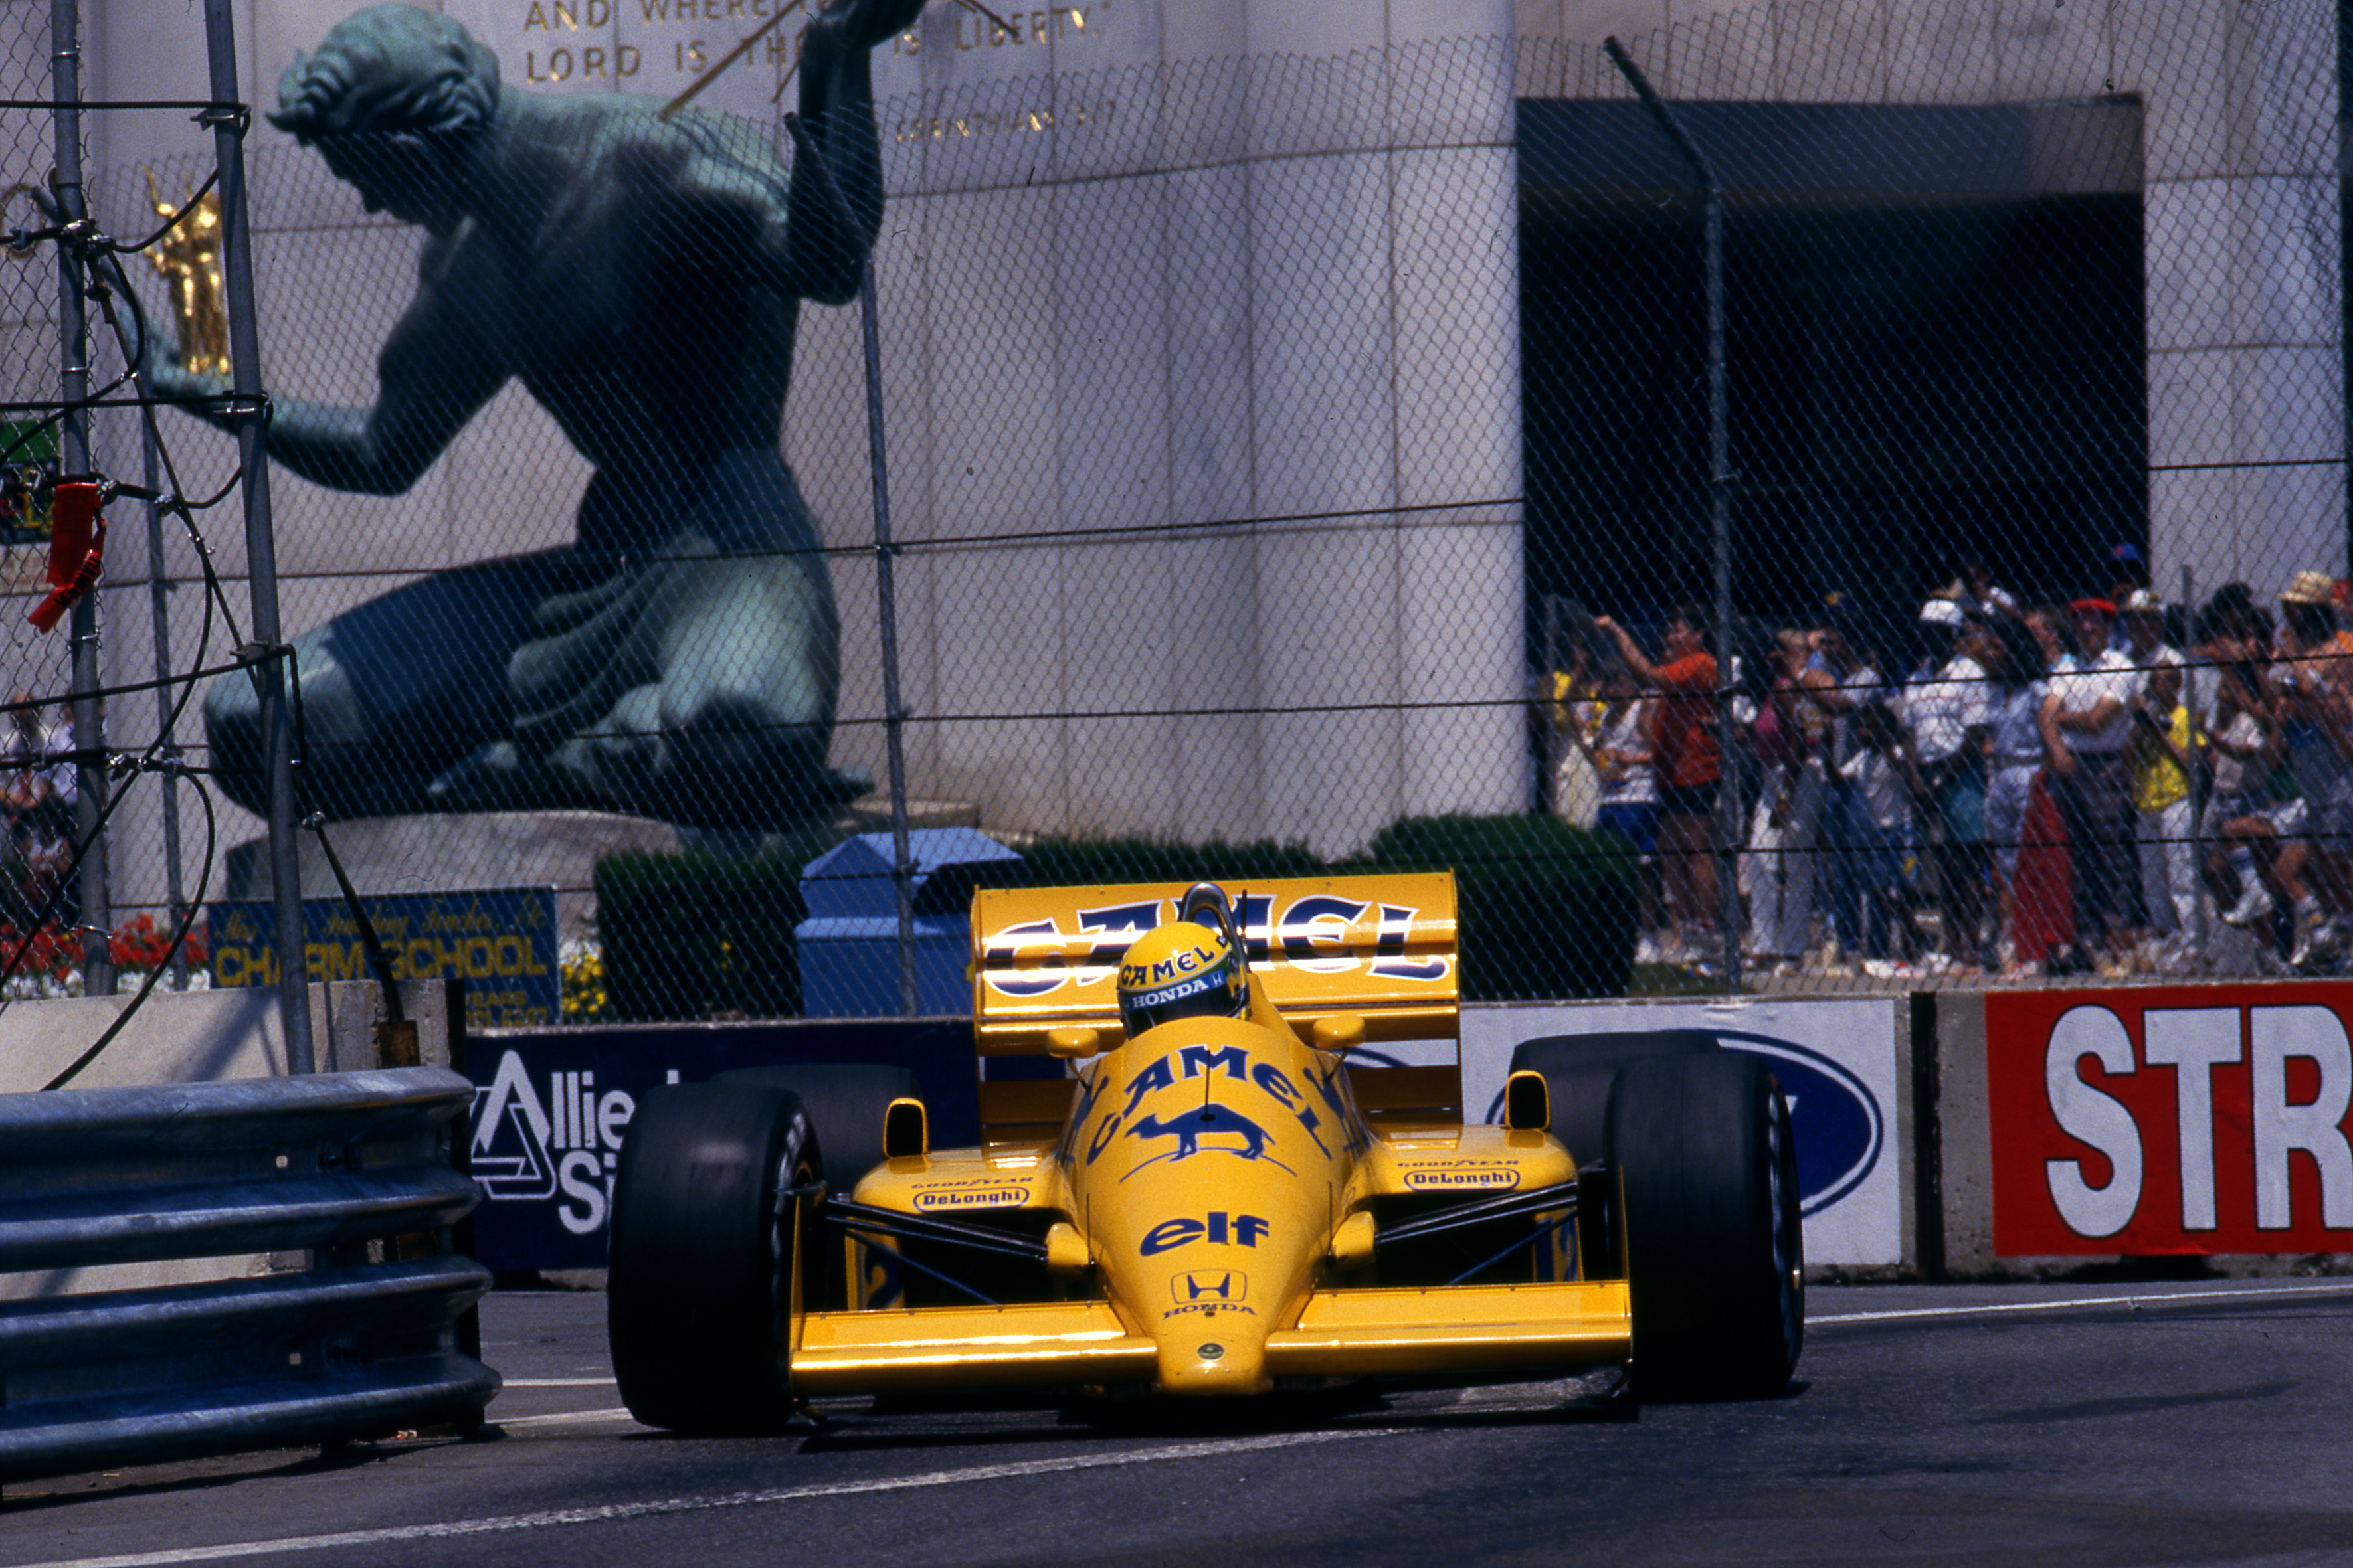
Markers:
38,789
1994,788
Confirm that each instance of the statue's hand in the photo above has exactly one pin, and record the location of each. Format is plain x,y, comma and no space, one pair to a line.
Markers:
860,24
164,376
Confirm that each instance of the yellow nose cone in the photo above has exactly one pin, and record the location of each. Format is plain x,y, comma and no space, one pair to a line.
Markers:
1213,1356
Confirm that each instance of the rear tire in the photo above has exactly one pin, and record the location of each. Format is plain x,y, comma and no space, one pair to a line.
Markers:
1578,1070
1707,1184
705,1261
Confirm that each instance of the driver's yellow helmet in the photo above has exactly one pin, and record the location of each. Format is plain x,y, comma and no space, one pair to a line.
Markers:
1180,971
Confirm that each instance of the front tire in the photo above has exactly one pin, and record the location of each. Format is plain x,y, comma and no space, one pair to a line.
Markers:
845,1101
1708,1201
704,1271
1578,1070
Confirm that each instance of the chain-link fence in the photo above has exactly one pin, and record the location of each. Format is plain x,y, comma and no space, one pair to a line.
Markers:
1297,465
40,668
2035,384
72,319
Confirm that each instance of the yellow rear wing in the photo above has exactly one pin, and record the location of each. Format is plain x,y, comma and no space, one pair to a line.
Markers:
1380,947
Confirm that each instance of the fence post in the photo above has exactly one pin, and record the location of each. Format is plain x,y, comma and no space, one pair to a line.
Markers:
73,457
159,612
1719,505
886,593
267,650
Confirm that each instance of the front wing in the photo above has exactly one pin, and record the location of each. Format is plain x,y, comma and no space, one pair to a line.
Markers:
1514,1329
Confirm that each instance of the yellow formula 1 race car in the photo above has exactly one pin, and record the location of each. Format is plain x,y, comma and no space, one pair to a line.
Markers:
1218,1173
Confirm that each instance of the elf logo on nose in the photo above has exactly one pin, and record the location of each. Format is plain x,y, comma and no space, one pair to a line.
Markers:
1218,1230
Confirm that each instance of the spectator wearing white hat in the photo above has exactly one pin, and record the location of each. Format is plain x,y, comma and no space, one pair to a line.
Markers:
1951,715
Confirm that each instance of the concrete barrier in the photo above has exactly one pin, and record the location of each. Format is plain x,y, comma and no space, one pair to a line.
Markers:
2187,1129
200,1036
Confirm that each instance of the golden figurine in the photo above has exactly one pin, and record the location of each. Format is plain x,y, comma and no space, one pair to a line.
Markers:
188,258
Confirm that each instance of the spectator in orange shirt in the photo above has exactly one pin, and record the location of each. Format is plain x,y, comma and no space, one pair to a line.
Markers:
1684,754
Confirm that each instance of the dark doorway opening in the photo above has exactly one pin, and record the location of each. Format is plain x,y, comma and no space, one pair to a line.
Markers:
1934,339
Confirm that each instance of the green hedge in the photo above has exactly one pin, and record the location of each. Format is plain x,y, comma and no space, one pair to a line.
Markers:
695,936
1547,910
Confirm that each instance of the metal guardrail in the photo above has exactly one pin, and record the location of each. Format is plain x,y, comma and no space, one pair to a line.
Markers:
354,1167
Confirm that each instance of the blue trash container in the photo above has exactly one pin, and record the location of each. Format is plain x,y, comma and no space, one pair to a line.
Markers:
850,944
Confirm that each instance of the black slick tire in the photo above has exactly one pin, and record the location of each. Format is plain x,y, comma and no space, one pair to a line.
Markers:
705,1259
1579,1069
845,1101
1707,1191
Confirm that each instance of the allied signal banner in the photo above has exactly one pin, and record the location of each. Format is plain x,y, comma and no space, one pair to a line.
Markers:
502,943
2208,1119
553,1106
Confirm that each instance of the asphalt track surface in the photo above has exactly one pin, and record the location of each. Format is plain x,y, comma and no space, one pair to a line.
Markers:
2117,1424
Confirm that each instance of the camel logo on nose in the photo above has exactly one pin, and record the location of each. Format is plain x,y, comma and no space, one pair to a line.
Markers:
1208,1121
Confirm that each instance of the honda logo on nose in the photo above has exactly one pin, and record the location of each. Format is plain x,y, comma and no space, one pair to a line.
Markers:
1210,1284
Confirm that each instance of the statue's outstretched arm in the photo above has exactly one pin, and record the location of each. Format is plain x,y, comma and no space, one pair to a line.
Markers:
838,108
435,373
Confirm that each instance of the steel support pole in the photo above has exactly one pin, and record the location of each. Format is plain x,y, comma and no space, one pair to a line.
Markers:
96,916
1719,492
1547,786
159,611
267,649
902,870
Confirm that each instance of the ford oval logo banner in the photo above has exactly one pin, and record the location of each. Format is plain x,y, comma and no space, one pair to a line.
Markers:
1835,1058
1839,1129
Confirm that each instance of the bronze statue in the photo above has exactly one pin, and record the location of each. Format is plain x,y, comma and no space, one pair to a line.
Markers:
641,277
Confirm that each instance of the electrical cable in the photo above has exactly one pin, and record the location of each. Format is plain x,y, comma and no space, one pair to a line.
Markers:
179,937
144,764
97,260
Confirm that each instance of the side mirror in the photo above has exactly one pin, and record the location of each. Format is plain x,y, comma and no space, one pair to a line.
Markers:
906,1130
1073,1045
1067,1252
1339,1032
1353,1243
1527,1102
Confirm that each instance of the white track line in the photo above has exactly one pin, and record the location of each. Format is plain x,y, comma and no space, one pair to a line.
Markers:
617,1413
620,1510
2155,1299
559,1383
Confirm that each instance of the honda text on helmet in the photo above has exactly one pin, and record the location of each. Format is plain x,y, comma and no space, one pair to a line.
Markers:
1180,971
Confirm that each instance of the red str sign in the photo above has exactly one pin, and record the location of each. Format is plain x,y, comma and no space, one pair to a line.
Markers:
2172,1120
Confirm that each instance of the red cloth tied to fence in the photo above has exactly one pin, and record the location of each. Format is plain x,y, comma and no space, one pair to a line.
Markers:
2044,892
